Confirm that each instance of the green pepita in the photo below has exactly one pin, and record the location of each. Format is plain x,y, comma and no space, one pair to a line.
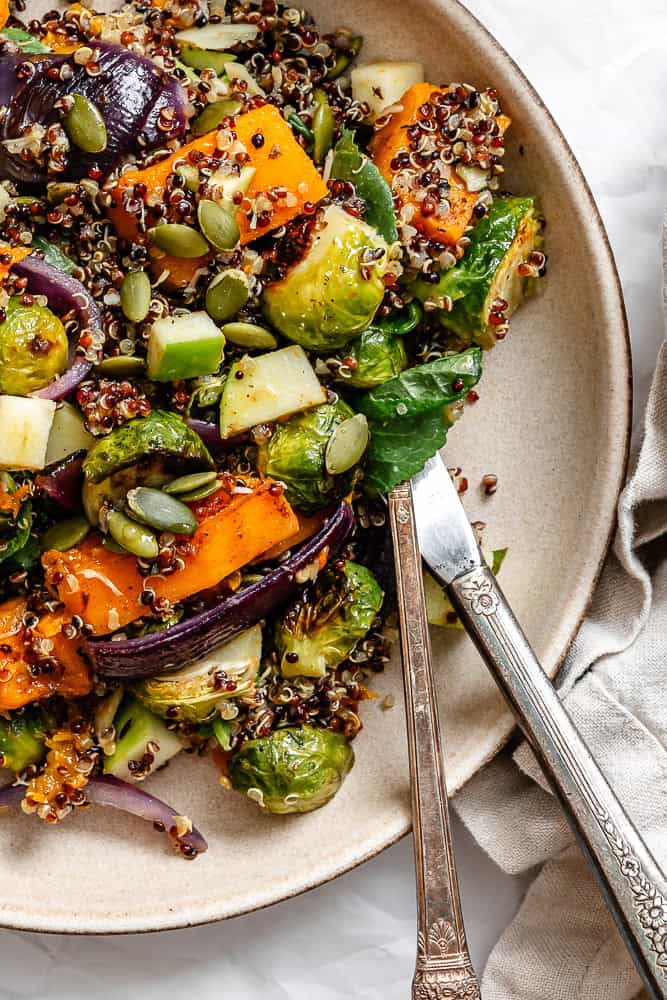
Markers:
213,115
190,176
344,58
123,366
201,493
249,335
57,191
347,444
160,511
324,127
135,296
193,481
65,534
85,126
226,294
218,224
179,240
111,546
206,59
133,537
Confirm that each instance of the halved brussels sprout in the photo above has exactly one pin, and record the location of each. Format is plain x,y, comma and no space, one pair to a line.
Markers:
377,356
292,770
489,271
295,454
148,450
322,628
194,692
22,736
33,348
331,295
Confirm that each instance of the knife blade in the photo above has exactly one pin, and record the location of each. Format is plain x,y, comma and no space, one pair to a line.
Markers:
626,871
446,540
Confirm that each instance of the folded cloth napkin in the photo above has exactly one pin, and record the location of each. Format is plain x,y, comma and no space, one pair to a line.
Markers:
563,944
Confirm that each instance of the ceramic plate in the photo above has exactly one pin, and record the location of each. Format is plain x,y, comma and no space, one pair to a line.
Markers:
552,423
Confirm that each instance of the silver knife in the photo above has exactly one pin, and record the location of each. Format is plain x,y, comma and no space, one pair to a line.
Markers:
631,881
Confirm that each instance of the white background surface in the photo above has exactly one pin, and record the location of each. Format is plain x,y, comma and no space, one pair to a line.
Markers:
600,66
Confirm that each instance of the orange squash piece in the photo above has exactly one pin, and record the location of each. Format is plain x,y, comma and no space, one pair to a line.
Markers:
104,587
18,687
4,12
11,255
391,139
280,163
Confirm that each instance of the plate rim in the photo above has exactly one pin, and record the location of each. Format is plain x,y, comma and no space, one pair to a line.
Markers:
464,14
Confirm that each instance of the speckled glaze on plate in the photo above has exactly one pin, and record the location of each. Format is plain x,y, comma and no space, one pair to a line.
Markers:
553,424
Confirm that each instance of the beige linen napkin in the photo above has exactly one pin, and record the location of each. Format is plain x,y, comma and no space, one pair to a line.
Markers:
563,945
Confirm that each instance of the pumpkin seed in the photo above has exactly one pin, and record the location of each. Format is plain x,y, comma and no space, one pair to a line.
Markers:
65,534
346,445
193,481
123,366
324,126
226,294
160,511
206,59
218,224
201,493
135,296
190,176
133,537
57,191
109,544
249,335
85,126
179,240
213,114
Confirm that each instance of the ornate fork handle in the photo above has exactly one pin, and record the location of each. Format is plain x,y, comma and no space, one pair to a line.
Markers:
630,879
443,970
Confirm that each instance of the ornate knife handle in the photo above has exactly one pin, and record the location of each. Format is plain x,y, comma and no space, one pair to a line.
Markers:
444,970
630,879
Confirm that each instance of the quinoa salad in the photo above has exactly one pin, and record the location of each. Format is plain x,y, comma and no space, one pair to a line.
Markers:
247,280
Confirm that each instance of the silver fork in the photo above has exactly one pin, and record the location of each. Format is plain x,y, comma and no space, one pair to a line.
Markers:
443,968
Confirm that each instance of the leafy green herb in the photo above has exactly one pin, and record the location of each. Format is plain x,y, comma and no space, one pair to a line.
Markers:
26,42
498,560
424,388
301,128
53,255
399,448
350,164
222,730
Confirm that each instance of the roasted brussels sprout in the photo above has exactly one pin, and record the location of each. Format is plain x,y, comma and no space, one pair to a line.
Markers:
194,692
22,736
489,272
292,770
33,348
320,629
295,454
376,356
148,451
331,295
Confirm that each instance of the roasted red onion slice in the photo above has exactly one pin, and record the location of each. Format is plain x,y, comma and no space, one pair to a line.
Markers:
194,637
208,432
65,294
63,482
130,92
110,791
117,794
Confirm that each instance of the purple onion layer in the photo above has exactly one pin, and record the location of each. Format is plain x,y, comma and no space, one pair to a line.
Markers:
194,637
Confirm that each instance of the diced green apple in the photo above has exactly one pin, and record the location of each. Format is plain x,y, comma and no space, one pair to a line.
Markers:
68,434
184,346
382,84
268,387
136,727
26,425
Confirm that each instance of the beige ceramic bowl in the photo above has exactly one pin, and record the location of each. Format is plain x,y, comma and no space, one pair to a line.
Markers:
552,423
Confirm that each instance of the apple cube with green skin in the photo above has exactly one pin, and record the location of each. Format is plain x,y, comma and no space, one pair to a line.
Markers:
26,425
136,727
184,346
268,387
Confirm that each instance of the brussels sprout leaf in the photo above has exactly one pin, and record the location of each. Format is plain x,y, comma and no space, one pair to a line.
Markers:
53,255
349,164
222,730
26,42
